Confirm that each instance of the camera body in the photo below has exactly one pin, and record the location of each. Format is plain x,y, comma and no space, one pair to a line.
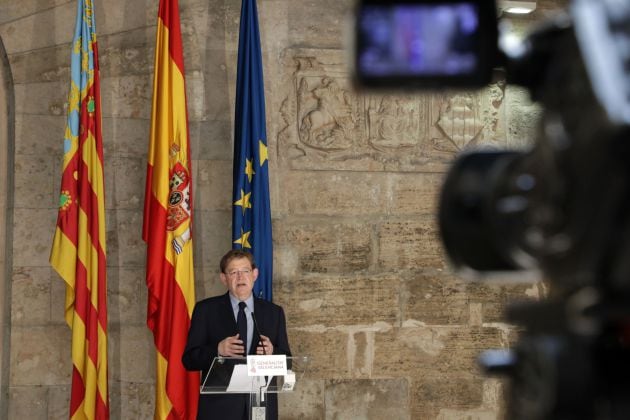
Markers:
562,207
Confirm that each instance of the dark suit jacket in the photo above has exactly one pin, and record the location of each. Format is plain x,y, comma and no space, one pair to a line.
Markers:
212,321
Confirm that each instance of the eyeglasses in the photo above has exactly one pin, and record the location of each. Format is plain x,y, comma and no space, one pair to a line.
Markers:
244,272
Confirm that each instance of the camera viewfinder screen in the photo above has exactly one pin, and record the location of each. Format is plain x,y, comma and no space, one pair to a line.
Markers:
416,40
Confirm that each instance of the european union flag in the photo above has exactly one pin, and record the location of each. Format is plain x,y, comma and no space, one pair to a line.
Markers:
251,214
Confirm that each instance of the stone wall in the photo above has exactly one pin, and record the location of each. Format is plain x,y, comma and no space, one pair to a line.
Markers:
354,179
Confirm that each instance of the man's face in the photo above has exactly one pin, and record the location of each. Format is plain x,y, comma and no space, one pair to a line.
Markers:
239,278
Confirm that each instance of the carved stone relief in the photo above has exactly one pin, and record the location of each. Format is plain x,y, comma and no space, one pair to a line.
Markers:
395,122
326,114
326,124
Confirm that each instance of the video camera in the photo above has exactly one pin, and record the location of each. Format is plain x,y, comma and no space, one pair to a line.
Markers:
562,208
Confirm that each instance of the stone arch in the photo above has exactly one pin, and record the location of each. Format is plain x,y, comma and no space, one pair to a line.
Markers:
7,119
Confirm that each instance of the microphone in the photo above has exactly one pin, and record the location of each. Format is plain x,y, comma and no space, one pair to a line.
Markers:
258,332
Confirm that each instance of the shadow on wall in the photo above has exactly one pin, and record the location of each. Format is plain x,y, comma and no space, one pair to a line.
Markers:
7,119
126,41
210,55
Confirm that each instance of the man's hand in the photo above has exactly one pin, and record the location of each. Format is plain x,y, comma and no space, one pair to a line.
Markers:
266,342
231,347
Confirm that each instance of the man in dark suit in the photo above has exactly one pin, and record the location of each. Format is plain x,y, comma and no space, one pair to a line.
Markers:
214,331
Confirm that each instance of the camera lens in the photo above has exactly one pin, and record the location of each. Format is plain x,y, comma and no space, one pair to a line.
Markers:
475,232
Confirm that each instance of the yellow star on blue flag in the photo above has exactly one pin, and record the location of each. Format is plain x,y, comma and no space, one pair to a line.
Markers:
243,241
244,201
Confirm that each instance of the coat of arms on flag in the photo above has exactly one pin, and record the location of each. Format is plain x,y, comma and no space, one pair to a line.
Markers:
179,208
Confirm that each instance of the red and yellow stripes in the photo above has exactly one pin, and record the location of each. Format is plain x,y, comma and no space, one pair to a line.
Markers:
78,251
168,223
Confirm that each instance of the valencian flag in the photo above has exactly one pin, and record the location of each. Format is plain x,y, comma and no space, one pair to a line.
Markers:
78,251
167,226
251,215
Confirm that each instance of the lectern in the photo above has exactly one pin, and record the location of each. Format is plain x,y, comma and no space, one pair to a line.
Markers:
256,376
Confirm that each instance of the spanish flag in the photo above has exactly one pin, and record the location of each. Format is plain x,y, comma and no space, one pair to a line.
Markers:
78,251
167,228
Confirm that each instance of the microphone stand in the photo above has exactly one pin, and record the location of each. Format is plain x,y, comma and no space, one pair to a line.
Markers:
261,410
